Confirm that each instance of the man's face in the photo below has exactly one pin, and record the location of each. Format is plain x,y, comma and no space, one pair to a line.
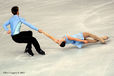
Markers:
18,13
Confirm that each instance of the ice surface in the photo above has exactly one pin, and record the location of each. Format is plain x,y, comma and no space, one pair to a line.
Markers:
58,17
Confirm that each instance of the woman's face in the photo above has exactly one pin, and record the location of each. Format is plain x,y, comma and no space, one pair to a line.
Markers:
60,41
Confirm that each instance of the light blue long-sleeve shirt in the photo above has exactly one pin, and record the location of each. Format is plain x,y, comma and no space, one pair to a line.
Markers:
15,24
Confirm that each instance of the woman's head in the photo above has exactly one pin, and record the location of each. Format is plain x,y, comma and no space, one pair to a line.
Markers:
61,42
15,10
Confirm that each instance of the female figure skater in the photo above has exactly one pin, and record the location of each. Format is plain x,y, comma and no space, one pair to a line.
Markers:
80,39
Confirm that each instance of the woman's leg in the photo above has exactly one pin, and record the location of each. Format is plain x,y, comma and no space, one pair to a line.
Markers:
86,35
91,41
94,41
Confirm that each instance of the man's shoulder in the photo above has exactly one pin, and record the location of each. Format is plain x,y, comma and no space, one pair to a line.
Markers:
16,18
21,18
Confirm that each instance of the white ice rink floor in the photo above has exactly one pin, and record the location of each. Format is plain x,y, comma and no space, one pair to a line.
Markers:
59,17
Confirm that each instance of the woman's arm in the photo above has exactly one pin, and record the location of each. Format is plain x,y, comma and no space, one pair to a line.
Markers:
49,36
76,39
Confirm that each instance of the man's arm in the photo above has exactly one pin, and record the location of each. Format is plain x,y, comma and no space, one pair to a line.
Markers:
29,25
5,25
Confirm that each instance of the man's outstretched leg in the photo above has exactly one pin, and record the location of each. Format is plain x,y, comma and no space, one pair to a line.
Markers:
37,46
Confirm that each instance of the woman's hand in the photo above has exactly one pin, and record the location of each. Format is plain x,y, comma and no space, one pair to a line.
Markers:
9,31
85,41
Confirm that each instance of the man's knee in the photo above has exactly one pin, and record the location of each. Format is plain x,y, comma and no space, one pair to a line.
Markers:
30,32
33,39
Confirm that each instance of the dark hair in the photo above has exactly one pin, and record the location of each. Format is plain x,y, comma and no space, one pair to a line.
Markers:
63,44
14,10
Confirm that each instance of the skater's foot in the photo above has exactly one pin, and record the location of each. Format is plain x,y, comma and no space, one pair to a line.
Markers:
105,37
41,52
30,52
102,41
26,50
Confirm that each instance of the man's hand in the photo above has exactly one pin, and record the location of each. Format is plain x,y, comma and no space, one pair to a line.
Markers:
85,41
40,31
9,31
57,41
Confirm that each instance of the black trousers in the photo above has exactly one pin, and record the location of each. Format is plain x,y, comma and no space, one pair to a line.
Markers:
26,37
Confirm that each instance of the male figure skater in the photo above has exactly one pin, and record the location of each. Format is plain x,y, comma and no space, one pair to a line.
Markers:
24,36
